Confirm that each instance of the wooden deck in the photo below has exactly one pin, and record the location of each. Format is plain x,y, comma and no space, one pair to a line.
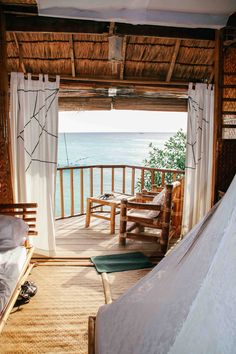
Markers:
74,240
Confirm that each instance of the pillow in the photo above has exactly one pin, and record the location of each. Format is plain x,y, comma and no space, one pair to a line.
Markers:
158,200
13,232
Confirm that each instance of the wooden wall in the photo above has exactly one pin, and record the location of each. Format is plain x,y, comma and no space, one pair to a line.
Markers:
226,165
6,193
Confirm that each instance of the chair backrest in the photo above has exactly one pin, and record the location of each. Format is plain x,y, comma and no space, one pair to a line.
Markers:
25,211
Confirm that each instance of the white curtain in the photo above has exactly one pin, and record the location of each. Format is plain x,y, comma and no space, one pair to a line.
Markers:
34,129
199,154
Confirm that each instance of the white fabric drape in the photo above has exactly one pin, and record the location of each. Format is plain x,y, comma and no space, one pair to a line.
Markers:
199,154
187,303
34,129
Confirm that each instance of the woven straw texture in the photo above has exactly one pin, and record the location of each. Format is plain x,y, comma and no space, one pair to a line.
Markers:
56,319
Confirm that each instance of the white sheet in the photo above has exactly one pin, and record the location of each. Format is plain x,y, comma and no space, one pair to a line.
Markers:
187,303
11,264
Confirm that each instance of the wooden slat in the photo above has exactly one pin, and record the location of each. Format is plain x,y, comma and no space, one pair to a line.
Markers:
91,181
82,191
19,212
163,179
173,60
106,288
18,205
142,178
101,180
153,177
123,180
62,194
72,202
112,179
133,181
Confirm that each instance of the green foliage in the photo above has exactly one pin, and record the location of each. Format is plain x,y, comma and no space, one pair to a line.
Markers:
172,156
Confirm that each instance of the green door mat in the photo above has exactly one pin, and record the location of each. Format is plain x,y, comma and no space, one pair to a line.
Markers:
121,262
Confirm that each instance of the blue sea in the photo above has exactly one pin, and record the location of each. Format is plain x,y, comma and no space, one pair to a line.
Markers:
84,149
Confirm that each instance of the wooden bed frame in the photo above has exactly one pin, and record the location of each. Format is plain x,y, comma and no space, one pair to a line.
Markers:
26,211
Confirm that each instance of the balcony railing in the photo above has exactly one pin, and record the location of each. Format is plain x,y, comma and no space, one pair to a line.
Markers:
75,184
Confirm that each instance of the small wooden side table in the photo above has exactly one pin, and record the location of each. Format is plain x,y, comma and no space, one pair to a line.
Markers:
113,202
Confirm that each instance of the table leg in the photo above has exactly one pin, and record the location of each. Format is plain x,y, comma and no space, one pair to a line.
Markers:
88,212
113,218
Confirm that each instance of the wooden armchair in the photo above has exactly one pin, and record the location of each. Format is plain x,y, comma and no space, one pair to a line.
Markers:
165,216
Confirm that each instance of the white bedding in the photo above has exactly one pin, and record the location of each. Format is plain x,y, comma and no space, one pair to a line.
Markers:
11,264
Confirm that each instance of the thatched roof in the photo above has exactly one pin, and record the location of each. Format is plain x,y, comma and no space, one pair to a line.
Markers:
82,59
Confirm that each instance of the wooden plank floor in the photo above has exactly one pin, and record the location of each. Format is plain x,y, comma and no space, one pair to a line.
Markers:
74,240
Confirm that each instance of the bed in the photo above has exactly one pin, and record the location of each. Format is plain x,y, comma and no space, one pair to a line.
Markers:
17,222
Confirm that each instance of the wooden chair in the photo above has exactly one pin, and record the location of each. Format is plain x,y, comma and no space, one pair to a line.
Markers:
166,219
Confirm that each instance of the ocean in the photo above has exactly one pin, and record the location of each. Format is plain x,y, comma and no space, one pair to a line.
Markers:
84,149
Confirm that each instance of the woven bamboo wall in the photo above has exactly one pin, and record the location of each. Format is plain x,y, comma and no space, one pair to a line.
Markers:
6,193
227,144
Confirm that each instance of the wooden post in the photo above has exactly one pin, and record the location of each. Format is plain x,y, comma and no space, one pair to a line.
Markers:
133,181
81,191
123,222
166,219
72,201
218,70
6,189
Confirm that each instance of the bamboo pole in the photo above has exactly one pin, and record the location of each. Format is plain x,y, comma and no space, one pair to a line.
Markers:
142,178
112,179
82,191
91,181
72,208
6,186
123,180
133,180
101,180
62,194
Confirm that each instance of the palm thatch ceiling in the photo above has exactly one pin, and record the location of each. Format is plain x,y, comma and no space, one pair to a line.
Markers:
150,67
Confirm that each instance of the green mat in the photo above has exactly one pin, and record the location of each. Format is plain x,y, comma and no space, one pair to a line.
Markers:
121,262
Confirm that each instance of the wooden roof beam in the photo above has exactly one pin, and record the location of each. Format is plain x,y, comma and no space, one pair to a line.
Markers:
40,24
72,55
19,48
122,64
173,60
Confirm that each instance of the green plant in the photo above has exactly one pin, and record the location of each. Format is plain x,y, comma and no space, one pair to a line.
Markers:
171,156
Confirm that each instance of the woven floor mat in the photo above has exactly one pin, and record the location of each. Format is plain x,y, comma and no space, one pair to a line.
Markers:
56,319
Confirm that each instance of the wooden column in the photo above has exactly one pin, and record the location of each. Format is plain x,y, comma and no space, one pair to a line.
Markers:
218,72
6,192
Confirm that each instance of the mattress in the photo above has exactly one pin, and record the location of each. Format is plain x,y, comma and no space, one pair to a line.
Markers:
11,264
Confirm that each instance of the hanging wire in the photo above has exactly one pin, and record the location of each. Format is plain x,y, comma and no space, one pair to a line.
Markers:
68,163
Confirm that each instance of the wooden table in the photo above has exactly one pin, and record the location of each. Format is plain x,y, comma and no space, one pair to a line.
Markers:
113,202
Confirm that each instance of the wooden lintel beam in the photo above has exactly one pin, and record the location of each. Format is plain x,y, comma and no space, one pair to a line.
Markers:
52,24
72,55
122,64
18,45
173,59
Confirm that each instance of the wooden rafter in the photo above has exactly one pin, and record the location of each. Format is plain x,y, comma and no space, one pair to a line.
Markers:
72,55
122,64
173,60
19,48
52,24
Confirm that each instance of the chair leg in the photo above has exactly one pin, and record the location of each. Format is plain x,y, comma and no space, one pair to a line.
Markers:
88,213
123,222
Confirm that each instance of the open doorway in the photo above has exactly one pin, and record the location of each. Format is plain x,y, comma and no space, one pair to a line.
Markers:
101,152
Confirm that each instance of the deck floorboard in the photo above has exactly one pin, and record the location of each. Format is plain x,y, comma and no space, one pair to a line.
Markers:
74,240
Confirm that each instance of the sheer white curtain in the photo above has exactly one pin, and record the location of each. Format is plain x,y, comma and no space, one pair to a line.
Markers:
199,154
34,130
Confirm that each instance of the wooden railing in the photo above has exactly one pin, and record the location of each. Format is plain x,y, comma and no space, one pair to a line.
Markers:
81,182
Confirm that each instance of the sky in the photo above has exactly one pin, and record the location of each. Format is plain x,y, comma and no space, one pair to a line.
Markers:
122,121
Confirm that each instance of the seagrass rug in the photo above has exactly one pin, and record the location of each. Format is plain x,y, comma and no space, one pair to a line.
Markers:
56,319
